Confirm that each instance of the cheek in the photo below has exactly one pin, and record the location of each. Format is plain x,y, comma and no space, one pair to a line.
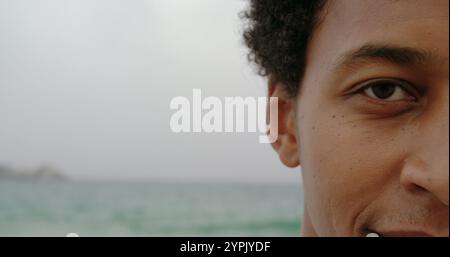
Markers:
346,164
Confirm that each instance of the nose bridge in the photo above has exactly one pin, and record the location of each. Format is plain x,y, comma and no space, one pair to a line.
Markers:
437,163
428,167
436,150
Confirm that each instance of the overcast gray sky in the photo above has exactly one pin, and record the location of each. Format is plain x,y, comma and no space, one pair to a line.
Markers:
85,85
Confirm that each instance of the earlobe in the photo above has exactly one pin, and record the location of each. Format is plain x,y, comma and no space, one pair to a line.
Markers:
288,151
286,144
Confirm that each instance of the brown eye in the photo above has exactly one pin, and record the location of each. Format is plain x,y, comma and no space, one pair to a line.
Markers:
383,90
387,90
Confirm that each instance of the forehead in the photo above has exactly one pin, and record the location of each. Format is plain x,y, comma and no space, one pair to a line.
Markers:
349,24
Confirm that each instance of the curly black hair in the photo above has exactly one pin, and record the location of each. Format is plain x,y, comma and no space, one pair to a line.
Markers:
277,33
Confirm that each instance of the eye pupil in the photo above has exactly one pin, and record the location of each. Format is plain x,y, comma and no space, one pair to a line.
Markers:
383,90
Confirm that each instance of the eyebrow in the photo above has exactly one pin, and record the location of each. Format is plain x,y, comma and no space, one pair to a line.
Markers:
403,56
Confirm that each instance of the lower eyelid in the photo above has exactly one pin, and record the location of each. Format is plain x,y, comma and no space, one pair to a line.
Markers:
387,102
409,98
368,105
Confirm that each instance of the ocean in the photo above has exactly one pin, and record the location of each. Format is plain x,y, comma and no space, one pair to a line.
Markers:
56,208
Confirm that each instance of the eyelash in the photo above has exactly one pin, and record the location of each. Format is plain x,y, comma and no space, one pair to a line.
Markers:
406,87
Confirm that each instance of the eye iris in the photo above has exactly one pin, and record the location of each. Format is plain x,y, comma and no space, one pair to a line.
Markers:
383,90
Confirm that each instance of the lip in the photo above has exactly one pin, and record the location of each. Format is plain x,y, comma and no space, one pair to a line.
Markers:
403,233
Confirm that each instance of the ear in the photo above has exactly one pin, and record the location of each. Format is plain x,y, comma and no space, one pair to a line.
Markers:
286,144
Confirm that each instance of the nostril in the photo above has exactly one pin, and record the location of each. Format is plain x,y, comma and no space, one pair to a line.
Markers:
414,178
417,188
418,176
411,184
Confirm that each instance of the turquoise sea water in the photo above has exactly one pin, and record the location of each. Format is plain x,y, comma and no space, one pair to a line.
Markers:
48,208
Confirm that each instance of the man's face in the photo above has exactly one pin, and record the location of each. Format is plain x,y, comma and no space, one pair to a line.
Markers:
372,119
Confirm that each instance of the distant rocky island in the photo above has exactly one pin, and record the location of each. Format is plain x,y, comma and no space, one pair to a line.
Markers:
43,172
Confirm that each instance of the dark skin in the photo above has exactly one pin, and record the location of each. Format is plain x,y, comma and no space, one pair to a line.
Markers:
369,126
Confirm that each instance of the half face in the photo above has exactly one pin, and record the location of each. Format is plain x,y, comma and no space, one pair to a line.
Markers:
372,119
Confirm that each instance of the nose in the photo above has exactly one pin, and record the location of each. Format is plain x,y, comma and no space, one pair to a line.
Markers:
428,168
419,175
